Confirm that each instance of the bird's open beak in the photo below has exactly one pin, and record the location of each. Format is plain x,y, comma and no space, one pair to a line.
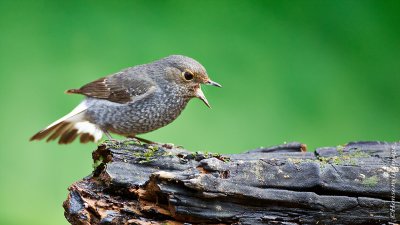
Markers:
200,95
213,83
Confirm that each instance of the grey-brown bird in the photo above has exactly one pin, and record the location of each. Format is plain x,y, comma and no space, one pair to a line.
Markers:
133,101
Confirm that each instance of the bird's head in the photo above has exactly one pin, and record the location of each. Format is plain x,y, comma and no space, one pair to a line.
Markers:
188,75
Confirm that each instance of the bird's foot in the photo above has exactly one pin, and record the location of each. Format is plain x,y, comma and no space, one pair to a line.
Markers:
140,140
115,143
146,141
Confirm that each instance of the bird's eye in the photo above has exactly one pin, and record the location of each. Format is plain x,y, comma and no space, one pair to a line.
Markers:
188,75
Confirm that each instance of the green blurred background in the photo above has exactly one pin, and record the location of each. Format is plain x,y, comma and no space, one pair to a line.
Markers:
319,72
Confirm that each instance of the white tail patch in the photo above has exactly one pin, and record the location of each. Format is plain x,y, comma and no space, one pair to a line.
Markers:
73,115
90,128
71,126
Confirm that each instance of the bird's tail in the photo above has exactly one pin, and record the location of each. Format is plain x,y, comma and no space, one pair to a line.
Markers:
69,127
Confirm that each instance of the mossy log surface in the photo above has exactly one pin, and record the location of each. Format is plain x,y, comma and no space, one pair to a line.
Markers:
136,183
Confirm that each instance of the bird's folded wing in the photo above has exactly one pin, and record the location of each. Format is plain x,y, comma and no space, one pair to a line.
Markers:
120,88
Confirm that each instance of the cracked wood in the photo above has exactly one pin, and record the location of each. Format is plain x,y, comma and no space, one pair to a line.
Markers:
137,183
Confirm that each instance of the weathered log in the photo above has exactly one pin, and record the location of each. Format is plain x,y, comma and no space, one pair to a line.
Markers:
136,183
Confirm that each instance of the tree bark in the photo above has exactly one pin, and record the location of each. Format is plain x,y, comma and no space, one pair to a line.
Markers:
135,183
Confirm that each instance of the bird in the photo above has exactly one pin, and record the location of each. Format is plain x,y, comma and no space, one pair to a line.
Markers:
136,100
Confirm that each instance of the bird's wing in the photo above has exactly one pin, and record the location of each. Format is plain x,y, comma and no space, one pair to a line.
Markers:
121,87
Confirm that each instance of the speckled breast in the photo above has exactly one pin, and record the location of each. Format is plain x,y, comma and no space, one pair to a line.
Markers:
138,117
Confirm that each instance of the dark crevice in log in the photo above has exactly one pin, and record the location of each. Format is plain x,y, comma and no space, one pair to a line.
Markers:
162,184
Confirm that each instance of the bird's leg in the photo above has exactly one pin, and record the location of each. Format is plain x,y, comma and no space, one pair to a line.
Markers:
110,140
142,140
145,140
108,135
167,145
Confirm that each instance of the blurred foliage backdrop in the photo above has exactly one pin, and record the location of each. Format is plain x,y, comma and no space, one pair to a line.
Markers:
319,72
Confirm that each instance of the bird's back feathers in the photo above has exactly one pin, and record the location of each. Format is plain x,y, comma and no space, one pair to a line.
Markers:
122,87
